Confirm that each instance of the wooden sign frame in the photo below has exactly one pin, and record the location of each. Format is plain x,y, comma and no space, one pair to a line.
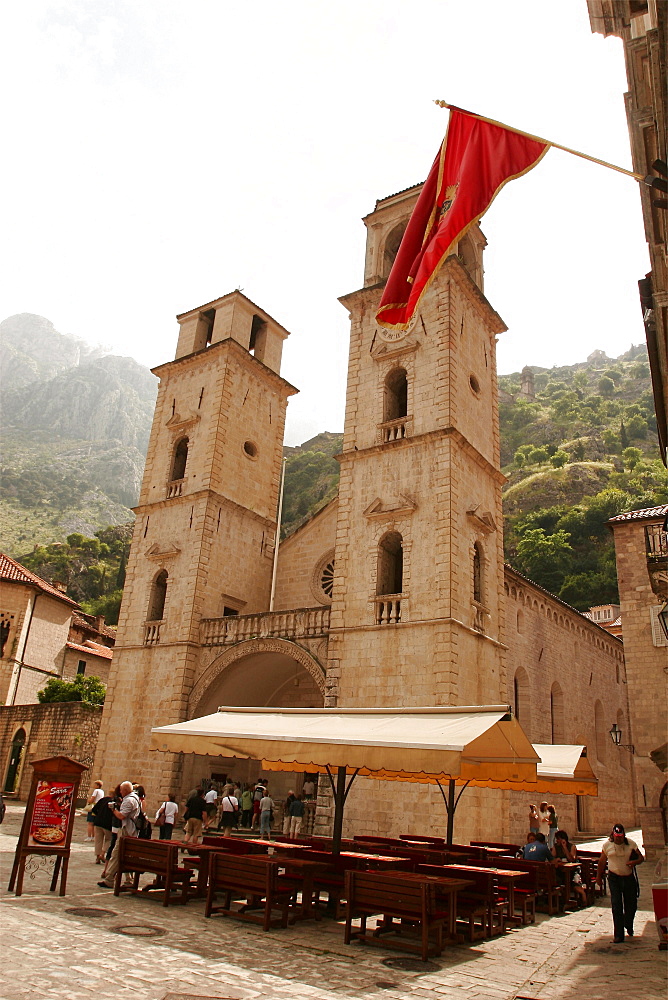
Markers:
49,818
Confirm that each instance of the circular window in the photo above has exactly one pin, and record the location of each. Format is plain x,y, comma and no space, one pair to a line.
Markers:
475,385
322,581
250,449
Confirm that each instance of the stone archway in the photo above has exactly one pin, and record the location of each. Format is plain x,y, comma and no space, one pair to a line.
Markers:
258,672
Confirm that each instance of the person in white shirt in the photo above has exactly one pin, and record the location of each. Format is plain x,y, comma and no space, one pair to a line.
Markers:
93,799
211,798
170,810
228,819
622,855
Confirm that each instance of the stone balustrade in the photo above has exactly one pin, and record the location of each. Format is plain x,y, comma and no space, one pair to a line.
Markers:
175,488
300,623
394,430
152,633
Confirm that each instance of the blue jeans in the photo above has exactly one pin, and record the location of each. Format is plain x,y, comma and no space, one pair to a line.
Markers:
265,823
624,902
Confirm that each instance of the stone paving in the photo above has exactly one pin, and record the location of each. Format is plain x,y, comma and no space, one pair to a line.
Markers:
139,950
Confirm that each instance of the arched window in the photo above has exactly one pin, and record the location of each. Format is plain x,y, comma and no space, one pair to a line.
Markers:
557,714
180,459
389,579
520,621
156,608
395,395
522,699
391,248
477,573
600,732
15,758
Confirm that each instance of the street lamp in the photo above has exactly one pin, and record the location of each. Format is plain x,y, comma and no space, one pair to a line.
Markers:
616,737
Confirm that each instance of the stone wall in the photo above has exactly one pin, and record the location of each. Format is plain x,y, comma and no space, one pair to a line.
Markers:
67,728
301,560
647,667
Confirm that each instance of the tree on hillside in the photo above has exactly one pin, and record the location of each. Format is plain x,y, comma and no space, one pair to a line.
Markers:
631,457
559,459
544,558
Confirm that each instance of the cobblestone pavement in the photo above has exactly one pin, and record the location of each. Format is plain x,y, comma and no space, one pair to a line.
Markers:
140,950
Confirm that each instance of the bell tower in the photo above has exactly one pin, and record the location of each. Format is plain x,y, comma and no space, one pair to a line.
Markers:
205,529
418,590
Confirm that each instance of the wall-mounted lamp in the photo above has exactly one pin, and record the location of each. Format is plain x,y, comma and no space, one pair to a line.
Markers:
663,619
616,737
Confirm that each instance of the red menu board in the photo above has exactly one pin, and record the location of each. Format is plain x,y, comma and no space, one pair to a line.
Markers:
54,801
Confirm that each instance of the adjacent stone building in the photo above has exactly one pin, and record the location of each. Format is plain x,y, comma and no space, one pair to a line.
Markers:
394,594
641,548
44,634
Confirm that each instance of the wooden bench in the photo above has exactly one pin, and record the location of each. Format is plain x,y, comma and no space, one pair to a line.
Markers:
160,858
511,849
482,908
550,895
411,903
255,879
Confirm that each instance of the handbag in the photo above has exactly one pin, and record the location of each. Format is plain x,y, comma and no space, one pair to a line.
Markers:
160,818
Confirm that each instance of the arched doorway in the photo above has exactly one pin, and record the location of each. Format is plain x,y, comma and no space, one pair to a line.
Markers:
14,765
263,673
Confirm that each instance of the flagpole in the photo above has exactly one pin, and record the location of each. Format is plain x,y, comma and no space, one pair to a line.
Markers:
548,142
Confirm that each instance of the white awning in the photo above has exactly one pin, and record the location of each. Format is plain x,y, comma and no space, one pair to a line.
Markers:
565,768
481,744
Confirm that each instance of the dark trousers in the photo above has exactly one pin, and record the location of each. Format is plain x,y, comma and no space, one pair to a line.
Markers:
166,831
624,902
246,817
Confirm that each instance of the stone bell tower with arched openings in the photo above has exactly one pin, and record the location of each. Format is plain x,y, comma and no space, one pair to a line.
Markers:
417,606
205,531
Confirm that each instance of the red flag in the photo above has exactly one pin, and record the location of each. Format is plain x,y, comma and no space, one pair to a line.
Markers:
475,160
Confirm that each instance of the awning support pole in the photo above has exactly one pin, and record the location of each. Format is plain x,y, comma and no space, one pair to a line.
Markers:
451,804
340,791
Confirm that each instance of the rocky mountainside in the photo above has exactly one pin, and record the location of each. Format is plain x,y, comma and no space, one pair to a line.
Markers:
75,427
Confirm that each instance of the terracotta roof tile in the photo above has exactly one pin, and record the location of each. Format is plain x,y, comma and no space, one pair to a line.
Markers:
92,647
13,572
642,515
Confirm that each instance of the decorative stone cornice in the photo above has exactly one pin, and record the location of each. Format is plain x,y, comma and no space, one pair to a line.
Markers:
404,506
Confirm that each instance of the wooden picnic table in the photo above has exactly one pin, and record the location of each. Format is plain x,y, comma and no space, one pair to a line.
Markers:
448,887
509,877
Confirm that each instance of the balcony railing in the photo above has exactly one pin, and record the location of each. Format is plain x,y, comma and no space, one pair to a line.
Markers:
479,616
395,430
388,609
152,633
175,488
296,624
656,542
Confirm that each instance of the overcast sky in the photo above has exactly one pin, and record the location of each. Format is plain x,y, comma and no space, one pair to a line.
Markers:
158,155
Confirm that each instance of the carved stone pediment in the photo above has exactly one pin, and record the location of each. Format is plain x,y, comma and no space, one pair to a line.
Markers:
483,520
402,505
382,351
178,422
160,554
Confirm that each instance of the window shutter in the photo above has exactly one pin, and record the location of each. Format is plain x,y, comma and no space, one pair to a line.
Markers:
658,637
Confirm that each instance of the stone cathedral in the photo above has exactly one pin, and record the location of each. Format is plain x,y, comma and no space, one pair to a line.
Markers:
395,594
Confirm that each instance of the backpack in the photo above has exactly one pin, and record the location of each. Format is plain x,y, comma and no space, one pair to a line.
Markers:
142,825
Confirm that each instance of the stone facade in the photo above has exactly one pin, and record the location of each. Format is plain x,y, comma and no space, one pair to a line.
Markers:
641,549
36,620
394,594
643,28
37,731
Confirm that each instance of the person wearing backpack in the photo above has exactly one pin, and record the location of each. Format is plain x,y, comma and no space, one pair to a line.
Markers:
127,813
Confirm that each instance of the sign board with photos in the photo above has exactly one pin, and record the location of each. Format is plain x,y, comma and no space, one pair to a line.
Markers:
49,818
